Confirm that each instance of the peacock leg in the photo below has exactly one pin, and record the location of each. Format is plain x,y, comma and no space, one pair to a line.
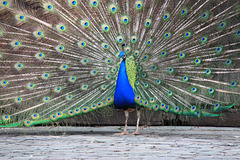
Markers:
138,119
125,132
125,128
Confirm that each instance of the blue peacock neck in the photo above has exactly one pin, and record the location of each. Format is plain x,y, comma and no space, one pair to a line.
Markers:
124,95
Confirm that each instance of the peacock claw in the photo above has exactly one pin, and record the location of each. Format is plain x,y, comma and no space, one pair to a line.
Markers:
136,133
123,133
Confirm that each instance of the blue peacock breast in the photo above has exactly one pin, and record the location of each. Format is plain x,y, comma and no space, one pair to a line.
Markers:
124,94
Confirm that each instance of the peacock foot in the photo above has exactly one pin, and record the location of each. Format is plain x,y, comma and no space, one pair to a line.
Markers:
136,133
123,133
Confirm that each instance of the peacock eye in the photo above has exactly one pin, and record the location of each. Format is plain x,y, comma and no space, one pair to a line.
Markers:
113,8
74,2
139,5
4,3
49,6
94,3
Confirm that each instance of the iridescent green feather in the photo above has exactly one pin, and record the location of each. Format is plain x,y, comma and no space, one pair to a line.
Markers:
131,71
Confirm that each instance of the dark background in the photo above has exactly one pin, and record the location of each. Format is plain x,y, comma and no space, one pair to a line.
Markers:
111,117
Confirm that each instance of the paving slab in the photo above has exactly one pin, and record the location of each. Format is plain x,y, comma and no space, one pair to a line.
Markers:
156,142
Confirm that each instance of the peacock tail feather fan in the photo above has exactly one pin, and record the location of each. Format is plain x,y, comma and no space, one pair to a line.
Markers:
62,58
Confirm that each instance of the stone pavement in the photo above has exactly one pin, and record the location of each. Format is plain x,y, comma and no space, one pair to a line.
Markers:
100,143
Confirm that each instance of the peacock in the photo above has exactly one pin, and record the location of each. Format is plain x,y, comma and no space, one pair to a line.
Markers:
65,58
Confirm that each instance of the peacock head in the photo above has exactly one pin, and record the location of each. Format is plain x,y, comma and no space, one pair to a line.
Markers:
122,54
